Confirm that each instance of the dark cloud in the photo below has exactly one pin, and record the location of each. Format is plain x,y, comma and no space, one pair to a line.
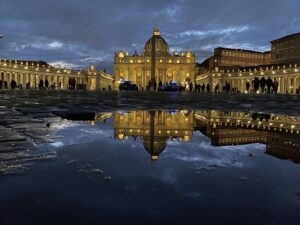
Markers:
78,32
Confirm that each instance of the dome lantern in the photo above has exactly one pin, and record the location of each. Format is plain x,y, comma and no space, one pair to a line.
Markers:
159,43
156,31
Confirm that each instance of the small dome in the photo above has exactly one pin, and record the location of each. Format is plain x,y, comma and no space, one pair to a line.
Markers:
121,54
160,45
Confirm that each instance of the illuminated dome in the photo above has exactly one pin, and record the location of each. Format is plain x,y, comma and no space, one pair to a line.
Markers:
156,146
161,46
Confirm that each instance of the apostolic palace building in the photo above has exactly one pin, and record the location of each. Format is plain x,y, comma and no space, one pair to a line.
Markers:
226,70
238,67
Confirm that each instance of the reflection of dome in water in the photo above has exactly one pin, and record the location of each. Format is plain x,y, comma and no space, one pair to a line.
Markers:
160,44
159,144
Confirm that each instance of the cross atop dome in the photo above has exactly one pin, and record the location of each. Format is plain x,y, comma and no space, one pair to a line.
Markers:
156,31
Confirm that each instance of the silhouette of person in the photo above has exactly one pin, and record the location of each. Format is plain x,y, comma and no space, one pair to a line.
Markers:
191,86
203,87
269,83
208,87
247,86
217,88
275,86
263,84
46,84
41,85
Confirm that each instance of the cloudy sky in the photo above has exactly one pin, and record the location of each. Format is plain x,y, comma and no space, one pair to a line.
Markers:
79,33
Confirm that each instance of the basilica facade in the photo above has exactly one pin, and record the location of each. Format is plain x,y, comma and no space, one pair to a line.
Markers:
156,64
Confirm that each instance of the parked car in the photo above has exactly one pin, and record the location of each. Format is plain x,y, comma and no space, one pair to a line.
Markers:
172,87
128,85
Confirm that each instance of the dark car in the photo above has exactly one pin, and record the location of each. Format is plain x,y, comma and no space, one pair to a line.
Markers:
128,86
173,87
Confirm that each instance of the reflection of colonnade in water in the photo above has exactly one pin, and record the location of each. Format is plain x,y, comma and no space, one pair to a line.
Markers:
279,133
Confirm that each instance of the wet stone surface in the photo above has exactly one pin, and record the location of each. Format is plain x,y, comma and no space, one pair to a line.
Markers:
148,158
45,102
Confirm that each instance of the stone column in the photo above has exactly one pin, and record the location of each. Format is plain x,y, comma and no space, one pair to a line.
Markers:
279,83
285,85
294,85
33,81
57,82
36,80
65,83
9,79
210,81
220,83
288,85
22,79
282,85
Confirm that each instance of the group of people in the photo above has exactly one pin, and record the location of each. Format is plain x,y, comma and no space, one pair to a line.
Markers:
72,84
190,87
3,84
42,86
202,88
259,85
227,88
149,86
264,85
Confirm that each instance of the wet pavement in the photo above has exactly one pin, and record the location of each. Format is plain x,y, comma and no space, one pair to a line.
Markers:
156,158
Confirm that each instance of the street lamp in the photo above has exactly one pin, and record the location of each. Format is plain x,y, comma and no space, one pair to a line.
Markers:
1,36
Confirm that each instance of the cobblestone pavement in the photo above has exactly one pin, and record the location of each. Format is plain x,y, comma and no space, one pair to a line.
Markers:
45,102
26,116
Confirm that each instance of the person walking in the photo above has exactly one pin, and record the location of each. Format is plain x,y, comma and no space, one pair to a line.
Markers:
275,86
217,88
263,84
269,83
41,85
191,86
208,87
248,87
46,84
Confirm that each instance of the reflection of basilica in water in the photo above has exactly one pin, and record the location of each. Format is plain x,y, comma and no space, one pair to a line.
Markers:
280,134
154,127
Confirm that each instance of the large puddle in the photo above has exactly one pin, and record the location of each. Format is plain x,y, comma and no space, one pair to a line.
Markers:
162,167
